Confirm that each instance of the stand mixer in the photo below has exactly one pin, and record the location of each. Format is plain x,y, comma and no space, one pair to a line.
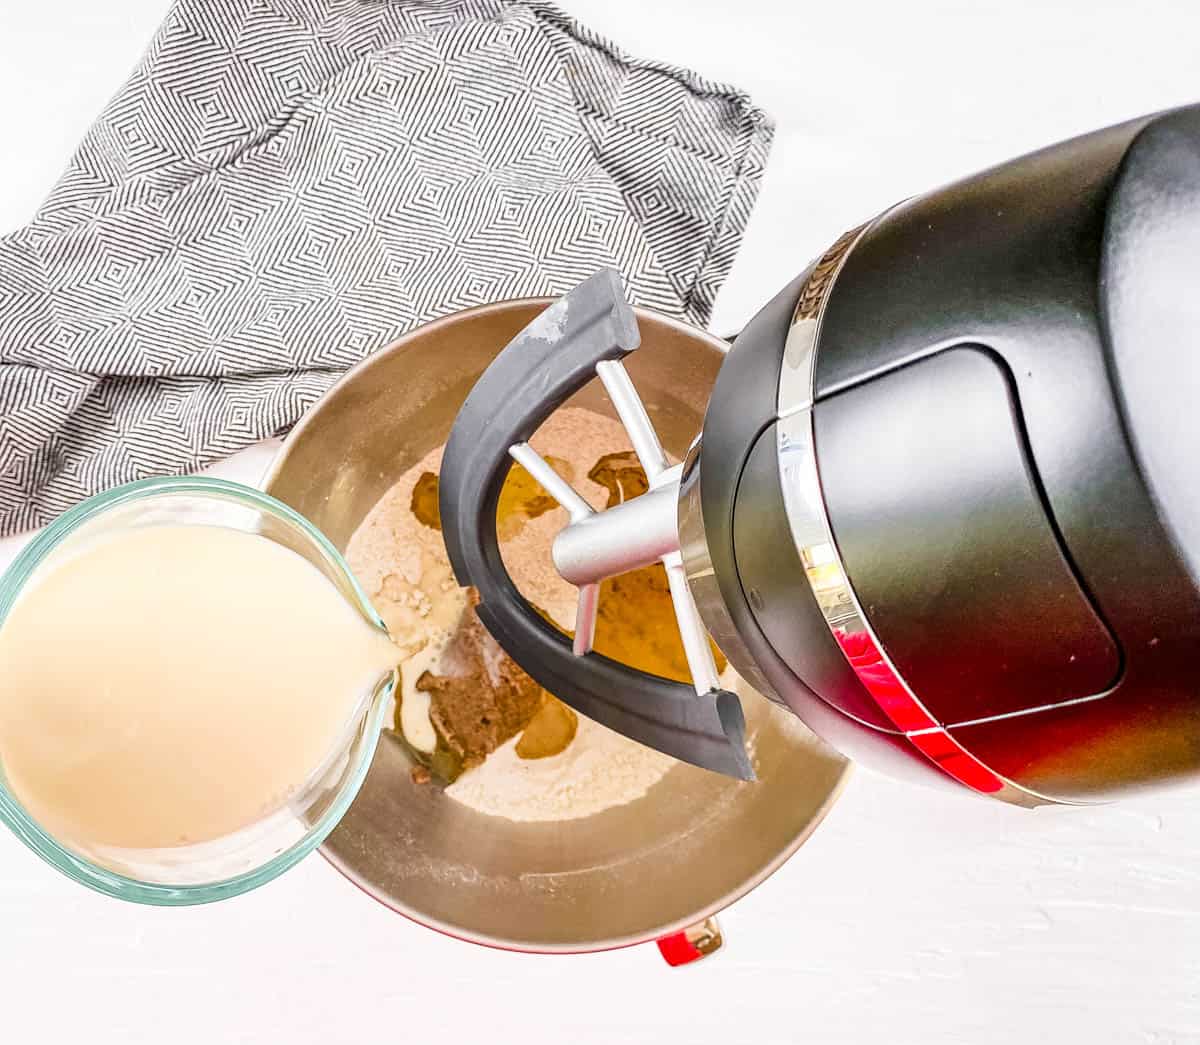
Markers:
940,506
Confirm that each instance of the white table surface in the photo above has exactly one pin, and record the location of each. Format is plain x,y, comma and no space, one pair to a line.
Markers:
910,916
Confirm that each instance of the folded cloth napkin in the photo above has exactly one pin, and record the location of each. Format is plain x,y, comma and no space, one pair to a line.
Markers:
283,186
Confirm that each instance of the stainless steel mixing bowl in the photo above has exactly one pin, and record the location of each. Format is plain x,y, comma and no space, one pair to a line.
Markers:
648,870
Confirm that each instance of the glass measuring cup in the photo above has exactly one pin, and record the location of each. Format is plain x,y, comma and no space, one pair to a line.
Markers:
235,863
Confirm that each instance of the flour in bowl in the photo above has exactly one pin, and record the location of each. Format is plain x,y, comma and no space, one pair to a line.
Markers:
599,769
467,711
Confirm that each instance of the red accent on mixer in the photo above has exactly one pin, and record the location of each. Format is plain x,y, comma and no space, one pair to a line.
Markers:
693,943
926,735
677,949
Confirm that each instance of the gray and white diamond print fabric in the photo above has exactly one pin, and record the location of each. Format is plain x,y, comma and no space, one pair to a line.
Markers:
283,186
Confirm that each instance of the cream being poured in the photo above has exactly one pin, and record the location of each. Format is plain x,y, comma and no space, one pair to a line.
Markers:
173,684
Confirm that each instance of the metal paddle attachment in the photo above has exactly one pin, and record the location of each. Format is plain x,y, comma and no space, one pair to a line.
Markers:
583,335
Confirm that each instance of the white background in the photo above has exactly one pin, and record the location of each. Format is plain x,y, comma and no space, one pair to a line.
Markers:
909,917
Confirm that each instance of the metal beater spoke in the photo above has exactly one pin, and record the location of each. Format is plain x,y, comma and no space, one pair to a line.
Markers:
669,478
553,483
691,628
565,494
585,618
632,412
659,472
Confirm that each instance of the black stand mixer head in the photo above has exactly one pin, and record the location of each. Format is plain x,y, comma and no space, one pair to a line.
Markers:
942,505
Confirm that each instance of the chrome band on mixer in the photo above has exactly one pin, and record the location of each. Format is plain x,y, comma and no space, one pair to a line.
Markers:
809,522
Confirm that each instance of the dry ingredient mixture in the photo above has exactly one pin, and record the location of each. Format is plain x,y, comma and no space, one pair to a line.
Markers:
470,714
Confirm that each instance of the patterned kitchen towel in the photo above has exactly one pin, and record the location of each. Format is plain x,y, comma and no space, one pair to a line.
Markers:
283,186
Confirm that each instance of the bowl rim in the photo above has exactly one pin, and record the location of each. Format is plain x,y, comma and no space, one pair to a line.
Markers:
451,318
616,943
457,932
112,883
